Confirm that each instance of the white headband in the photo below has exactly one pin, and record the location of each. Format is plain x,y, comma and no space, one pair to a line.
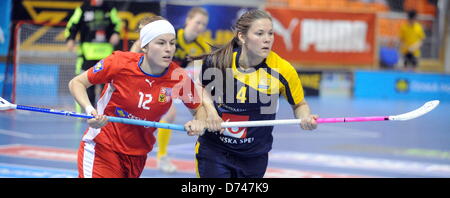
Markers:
154,29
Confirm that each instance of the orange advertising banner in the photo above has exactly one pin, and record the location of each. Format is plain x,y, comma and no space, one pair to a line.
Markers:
324,37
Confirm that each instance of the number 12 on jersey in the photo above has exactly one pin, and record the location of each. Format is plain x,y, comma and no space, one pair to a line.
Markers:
144,99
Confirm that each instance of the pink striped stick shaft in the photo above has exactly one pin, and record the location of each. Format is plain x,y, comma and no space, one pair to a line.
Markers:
297,121
427,107
352,119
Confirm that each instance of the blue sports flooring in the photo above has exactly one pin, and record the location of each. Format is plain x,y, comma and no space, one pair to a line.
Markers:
41,145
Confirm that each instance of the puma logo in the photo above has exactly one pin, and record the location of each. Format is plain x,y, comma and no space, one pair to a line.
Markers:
286,34
149,82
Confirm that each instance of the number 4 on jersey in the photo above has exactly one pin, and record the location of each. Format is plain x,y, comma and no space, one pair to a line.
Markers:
242,94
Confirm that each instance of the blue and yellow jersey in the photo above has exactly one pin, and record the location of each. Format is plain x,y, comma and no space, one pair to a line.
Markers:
195,48
249,96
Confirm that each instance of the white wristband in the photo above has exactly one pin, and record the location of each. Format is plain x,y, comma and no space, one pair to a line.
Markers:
89,109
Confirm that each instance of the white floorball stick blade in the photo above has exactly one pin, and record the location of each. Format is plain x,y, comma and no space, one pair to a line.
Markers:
427,107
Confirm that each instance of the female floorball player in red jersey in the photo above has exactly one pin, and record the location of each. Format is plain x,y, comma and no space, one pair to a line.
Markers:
246,78
138,86
189,44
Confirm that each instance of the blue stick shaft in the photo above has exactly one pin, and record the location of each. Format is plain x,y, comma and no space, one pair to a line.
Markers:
110,118
53,111
147,123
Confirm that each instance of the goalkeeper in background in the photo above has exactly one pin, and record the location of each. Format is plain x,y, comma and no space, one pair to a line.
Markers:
99,27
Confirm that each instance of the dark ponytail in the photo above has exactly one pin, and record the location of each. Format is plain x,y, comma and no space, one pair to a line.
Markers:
222,57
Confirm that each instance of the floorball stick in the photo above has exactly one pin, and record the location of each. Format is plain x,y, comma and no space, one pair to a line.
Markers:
427,107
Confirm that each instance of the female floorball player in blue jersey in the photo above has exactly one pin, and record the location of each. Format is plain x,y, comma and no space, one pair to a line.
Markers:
245,78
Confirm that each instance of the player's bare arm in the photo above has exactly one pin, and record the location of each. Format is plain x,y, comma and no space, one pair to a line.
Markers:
303,112
196,126
213,120
77,87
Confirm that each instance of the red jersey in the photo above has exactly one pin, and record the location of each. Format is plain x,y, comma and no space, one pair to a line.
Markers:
131,93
